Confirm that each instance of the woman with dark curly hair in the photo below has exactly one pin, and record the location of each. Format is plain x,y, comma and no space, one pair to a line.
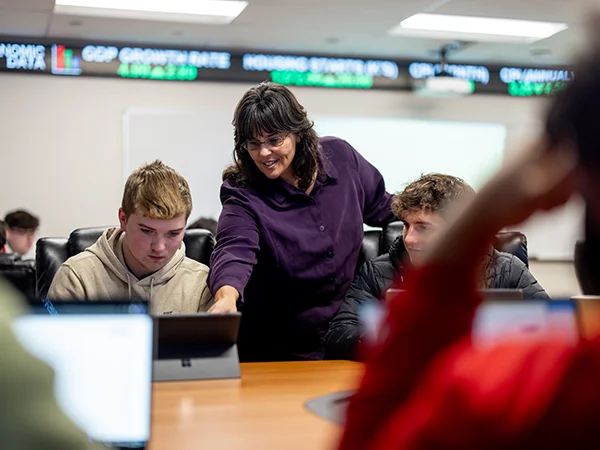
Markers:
289,235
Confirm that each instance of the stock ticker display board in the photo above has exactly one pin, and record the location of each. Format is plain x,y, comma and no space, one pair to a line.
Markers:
68,59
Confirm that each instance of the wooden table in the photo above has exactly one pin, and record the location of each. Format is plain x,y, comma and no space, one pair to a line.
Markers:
262,410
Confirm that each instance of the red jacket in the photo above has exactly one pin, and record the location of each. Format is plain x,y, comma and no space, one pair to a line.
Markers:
426,387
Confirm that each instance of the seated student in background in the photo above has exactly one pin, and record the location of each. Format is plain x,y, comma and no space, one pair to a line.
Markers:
21,227
30,417
145,257
426,390
423,207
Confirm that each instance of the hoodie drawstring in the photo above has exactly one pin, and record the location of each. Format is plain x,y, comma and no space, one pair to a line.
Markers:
151,287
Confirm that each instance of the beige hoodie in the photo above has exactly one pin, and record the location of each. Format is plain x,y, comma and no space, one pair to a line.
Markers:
100,273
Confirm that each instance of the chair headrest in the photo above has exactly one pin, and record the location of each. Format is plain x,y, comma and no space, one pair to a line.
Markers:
369,248
82,238
199,244
50,253
389,235
513,242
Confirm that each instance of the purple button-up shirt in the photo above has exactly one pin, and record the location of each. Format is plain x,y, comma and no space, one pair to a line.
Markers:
292,256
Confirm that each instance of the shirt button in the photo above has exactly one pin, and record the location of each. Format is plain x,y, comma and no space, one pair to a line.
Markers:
322,228
330,254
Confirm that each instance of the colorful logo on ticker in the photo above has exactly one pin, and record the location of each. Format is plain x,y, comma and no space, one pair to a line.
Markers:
63,61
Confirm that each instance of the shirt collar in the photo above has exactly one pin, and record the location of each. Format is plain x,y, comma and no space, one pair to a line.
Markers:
327,170
280,190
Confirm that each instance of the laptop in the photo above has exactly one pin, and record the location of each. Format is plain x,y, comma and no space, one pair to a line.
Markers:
195,347
503,314
497,321
101,353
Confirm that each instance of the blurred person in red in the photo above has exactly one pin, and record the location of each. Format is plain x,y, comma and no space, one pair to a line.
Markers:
426,386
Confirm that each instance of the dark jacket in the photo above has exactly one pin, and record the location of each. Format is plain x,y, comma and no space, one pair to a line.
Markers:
506,271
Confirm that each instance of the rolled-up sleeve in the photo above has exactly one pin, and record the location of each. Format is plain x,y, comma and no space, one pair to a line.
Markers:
235,254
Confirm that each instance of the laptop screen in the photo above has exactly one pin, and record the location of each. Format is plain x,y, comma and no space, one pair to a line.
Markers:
495,321
498,320
103,369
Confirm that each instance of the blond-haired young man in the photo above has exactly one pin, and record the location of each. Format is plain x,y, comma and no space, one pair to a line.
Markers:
145,257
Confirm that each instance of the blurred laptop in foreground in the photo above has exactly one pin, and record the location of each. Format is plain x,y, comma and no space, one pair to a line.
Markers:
101,353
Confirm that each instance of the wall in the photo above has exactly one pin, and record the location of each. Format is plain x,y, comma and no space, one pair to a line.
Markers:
556,277
62,137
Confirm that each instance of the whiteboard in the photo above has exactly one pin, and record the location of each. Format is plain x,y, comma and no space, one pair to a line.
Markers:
198,143
404,149
552,235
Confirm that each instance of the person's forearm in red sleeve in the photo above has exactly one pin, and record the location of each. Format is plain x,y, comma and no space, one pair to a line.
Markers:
436,309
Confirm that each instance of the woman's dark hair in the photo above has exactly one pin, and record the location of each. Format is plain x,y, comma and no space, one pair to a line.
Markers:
574,114
270,108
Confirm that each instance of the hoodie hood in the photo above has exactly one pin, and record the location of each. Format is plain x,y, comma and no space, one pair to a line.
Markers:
109,249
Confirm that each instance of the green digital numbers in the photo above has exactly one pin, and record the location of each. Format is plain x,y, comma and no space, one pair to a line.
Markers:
528,89
168,72
317,79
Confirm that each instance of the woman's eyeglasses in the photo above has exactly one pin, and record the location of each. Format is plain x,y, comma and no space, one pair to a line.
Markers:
272,142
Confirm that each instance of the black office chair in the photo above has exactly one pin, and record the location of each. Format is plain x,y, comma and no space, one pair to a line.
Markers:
83,238
377,242
388,235
584,271
20,273
370,247
49,255
513,242
52,252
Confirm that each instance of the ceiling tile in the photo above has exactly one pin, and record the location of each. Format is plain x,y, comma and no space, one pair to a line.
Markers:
21,23
546,10
27,5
